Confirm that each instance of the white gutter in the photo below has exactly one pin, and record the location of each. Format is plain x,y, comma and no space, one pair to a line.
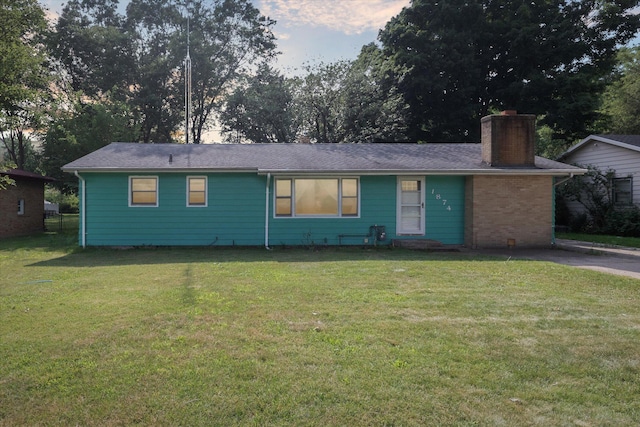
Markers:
562,181
83,221
460,172
266,214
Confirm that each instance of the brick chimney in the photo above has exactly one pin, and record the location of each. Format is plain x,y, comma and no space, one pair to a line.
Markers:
508,139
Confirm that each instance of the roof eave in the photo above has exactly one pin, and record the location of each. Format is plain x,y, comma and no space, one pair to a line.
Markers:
597,138
157,170
431,172
344,172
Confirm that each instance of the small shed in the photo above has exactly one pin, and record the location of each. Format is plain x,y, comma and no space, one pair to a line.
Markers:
22,204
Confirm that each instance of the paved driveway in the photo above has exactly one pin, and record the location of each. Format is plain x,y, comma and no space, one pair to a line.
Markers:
614,260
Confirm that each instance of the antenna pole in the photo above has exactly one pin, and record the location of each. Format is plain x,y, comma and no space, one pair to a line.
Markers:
187,83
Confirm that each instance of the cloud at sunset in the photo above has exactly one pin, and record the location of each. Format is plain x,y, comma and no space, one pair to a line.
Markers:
346,16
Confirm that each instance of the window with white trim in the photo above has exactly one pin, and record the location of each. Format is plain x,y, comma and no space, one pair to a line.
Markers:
317,197
20,206
143,191
622,191
197,191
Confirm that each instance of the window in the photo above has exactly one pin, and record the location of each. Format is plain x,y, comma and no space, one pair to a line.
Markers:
20,206
283,197
317,197
622,191
196,191
143,191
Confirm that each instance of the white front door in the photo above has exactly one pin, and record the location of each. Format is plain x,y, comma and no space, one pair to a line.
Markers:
410,210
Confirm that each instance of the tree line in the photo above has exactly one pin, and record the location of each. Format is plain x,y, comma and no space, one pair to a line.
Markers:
97,76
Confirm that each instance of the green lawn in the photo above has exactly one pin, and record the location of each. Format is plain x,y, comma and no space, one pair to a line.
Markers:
323,338
632,242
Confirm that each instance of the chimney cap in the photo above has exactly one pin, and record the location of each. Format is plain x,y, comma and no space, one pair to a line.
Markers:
509,113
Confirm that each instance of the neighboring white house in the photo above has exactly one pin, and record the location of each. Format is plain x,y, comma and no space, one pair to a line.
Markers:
620,153
51,209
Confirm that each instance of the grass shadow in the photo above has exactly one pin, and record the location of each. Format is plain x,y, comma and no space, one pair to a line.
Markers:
91,257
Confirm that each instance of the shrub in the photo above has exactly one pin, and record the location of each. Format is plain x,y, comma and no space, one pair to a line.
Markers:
623,222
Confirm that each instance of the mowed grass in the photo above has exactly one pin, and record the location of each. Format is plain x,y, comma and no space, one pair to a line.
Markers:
632,242
296,337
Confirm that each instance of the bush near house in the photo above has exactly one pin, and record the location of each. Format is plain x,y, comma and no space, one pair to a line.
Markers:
600,215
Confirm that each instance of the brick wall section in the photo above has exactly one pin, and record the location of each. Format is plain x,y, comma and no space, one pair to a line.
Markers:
12,224
500,208
509,140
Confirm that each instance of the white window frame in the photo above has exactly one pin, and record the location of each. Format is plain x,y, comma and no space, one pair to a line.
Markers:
400,231
206,191
307,216
20,206
137,205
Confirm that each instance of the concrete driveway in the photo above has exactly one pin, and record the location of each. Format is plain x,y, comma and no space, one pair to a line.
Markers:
591,256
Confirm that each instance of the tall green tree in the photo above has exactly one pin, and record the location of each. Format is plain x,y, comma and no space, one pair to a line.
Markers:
373,108
80,130
229,40
138,58
621,100
319,102
260,111
156,29
458,60
23,75
91,45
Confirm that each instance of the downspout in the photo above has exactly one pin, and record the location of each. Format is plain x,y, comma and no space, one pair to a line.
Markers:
564,180
553,207
266,213
553,214
83,221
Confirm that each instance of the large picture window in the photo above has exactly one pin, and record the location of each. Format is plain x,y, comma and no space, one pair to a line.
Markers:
143,191
197,191
323,197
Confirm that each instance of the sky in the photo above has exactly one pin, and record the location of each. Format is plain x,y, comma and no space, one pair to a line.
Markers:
313,31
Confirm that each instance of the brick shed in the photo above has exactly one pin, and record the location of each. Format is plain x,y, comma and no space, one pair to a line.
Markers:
22,204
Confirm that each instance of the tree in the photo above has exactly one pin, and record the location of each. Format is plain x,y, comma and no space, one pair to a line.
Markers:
23,75
92,47
621,99
137,58
260,111
86,128
373,110
459,60
157,95
228,39
5,180
319,102
129,58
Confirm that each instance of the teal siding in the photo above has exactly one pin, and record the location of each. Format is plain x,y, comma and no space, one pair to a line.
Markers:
377,207
235,213
445,209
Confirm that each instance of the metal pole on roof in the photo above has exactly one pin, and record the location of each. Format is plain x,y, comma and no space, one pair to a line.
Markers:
187,82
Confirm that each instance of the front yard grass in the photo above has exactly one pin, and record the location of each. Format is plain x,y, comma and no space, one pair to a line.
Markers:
297,337
632,242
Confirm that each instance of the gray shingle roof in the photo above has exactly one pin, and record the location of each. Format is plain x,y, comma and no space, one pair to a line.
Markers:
631,142
626,139
300,158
